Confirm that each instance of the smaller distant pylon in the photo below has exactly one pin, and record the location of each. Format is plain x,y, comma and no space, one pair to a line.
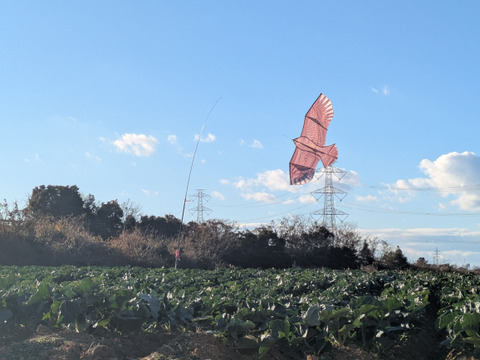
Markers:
200,209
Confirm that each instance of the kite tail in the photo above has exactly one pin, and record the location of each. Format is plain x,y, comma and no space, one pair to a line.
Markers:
329,155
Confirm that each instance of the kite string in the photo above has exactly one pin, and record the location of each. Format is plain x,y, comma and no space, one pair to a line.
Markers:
190,175
193,159
190,172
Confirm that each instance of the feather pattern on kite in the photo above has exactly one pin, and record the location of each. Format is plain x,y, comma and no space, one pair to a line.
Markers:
310,145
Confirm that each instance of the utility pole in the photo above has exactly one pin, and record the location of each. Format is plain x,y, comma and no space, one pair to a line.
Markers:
329,213
200,209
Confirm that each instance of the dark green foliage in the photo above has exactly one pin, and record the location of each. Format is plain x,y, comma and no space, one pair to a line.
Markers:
107,220
316,237
299,311
331,257
130,223
56,201
168,226
269,237
394,259
421,263
365,255
264,250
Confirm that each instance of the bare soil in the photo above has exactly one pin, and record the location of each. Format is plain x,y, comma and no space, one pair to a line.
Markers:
60,344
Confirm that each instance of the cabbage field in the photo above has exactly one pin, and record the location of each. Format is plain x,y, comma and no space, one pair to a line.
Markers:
297,311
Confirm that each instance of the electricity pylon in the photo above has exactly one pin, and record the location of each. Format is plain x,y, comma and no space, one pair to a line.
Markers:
200,209
329,213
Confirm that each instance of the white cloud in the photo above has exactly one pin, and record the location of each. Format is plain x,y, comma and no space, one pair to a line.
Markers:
256,144
453,174
93,157
457,174
260,196
150,192
272,180
172,139
36,157
441,206
385,90
351,178
274,186
402,190
137,144
433,232
307,199
458,253
218,195
240,184
367,198
207,139
251,225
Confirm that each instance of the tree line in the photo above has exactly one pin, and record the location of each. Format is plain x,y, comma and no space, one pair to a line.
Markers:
60,226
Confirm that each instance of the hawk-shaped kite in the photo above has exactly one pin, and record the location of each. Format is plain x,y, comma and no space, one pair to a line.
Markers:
310,146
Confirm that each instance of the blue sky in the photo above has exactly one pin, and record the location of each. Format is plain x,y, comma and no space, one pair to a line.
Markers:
111,96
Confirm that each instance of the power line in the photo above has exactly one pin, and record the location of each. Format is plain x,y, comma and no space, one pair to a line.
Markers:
289,196
257,203
472,187
378,187
405,212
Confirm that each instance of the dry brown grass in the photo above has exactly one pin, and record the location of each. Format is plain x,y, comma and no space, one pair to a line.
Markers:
141,249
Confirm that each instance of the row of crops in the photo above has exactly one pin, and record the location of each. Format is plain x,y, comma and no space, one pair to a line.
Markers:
301,311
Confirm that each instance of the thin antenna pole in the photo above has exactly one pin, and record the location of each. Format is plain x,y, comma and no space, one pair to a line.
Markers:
177,253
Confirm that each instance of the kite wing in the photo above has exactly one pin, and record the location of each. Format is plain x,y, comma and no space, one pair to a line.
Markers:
317,120
310,146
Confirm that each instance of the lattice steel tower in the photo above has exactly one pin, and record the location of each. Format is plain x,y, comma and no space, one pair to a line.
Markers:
329,213
200,209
